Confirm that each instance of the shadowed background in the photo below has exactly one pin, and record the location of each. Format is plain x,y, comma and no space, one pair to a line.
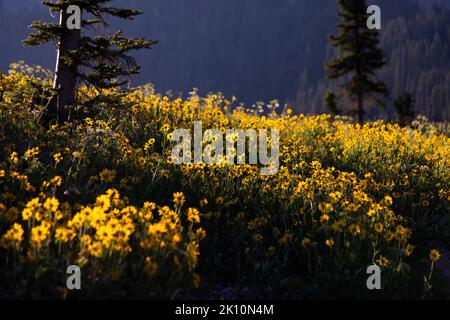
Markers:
259,50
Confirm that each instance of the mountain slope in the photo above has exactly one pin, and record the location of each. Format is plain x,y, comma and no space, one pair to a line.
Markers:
254,49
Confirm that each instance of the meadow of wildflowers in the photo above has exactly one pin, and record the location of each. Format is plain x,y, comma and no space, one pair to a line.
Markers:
102,192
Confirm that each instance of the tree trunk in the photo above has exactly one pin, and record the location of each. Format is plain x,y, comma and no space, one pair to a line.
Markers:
65,81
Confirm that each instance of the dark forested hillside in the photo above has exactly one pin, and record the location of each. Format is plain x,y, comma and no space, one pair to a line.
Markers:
418,61
418,52
264,49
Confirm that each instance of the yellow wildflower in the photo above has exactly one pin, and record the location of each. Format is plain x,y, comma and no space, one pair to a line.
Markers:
355,229
178,198
13,237
14,157
383,262
329,242
435,255
107,176
64,235
193,215
325,208
57,157
409,250
324,218
378,227
31,153
40,233
51,204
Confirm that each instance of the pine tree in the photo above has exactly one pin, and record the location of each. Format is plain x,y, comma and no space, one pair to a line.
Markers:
359,57
331,103
101,61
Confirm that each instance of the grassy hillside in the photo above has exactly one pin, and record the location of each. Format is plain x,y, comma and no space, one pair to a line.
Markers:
102,192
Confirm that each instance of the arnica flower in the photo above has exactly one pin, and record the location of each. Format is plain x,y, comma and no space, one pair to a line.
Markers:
200,234
13,237
32,207
57,157
103,202
107,176
400,232
178,198
31,153
371,213
64,235
324,218
40,233
335,196
383,262
149,206
165,128
388,200
389,236
146,213
51,204
157,228
354,229
56,181
325,208
149,144
329,242
14,157
409,250
89,122
378,227
176,239
435,255
193,215
105,234
95,249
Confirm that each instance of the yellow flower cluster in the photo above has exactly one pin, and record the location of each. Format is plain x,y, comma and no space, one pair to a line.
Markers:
346,194
106,231
13,237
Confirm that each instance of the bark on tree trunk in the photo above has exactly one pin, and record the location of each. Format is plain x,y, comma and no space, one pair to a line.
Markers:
65,81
